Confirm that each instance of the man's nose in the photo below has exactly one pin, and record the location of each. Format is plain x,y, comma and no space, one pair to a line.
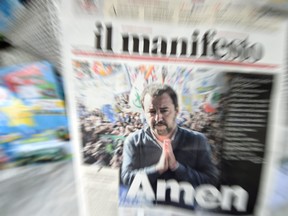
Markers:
158,116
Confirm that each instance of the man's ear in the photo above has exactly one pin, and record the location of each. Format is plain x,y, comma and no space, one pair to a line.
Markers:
177,109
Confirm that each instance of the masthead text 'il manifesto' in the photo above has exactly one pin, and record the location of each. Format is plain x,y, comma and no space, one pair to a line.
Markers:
196,45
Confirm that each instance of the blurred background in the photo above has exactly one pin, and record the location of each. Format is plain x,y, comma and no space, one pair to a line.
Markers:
36,154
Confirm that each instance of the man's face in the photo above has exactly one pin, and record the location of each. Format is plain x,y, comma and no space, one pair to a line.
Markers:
160,114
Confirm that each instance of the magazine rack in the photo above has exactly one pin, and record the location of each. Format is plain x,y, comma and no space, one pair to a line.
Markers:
34,33
34,28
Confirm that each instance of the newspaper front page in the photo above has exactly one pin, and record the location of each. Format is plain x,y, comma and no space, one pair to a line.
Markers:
172,118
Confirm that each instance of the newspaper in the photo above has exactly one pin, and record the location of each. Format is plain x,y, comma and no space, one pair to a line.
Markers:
209,153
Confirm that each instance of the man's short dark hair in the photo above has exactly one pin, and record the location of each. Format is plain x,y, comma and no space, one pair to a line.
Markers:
157,89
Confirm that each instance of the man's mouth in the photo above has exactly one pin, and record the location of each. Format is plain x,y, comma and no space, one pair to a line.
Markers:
159,124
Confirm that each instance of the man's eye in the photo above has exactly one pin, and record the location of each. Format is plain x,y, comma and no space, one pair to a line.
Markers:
152,112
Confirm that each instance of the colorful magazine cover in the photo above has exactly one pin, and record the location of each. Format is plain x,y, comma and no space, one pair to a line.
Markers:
32,113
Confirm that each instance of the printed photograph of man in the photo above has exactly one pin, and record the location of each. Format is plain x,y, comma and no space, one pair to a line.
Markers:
164,150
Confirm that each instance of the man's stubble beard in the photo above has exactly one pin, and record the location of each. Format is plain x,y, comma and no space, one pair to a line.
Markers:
165,131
